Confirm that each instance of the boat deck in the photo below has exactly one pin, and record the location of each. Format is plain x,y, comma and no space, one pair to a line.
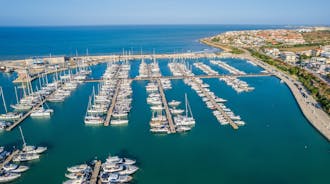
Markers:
217,106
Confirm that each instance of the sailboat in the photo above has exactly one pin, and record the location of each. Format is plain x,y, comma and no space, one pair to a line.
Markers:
184,122
21,107
42,111
91,119
31,149
8,116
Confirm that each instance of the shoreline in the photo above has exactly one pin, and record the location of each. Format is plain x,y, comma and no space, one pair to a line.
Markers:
315,116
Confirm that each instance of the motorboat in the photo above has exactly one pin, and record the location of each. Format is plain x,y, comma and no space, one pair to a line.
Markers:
114,178
23,157
78,168
41,112
174,103
8,177
118,160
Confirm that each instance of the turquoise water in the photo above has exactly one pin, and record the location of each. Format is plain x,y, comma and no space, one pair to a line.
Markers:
277,145
269,149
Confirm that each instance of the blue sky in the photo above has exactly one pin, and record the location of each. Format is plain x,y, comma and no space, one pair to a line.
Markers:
107,12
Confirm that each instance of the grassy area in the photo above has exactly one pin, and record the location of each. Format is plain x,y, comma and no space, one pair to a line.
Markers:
235,50
319,90
317,37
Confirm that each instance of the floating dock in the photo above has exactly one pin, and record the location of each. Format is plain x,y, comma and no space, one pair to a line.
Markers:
216,105
9,158
112,106
95,172
16,123
167,110
184,76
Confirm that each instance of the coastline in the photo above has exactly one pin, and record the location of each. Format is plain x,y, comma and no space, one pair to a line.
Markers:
316,117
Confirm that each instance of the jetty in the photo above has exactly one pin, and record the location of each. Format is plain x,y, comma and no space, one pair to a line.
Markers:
185,76
9,158
167,110
16,123
113,103
95,172
217,106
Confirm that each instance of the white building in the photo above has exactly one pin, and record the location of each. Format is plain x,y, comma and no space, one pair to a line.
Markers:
289,57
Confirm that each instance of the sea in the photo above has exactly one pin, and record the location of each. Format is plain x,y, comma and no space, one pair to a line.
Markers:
277,144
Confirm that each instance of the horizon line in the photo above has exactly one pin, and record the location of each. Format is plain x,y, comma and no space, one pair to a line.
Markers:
165,24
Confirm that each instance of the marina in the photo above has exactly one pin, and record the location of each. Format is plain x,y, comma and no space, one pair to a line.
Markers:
113,170
198,104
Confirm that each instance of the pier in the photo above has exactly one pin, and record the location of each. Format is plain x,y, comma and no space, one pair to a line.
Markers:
9,158
16,123
95,172
167,110
184,76
216,105
112,106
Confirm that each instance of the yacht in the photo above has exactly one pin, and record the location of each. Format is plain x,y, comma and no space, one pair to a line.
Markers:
15,168
93,120
31,149
8,177
128,169
112,167
41,112
183,128
119,122
114,178
157,108
78,168
118,160
23,157
4,125
10,116
174,103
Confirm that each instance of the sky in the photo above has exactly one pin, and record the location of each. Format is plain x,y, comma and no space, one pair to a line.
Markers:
118,12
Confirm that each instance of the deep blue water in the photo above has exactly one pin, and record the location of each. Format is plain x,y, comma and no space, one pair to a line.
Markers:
26,42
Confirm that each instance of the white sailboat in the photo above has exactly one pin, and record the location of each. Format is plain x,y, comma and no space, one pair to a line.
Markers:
187,119
8,116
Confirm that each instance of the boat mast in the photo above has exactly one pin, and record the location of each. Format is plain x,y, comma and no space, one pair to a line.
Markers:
24,143
189,108
185,99
16,95
3,99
